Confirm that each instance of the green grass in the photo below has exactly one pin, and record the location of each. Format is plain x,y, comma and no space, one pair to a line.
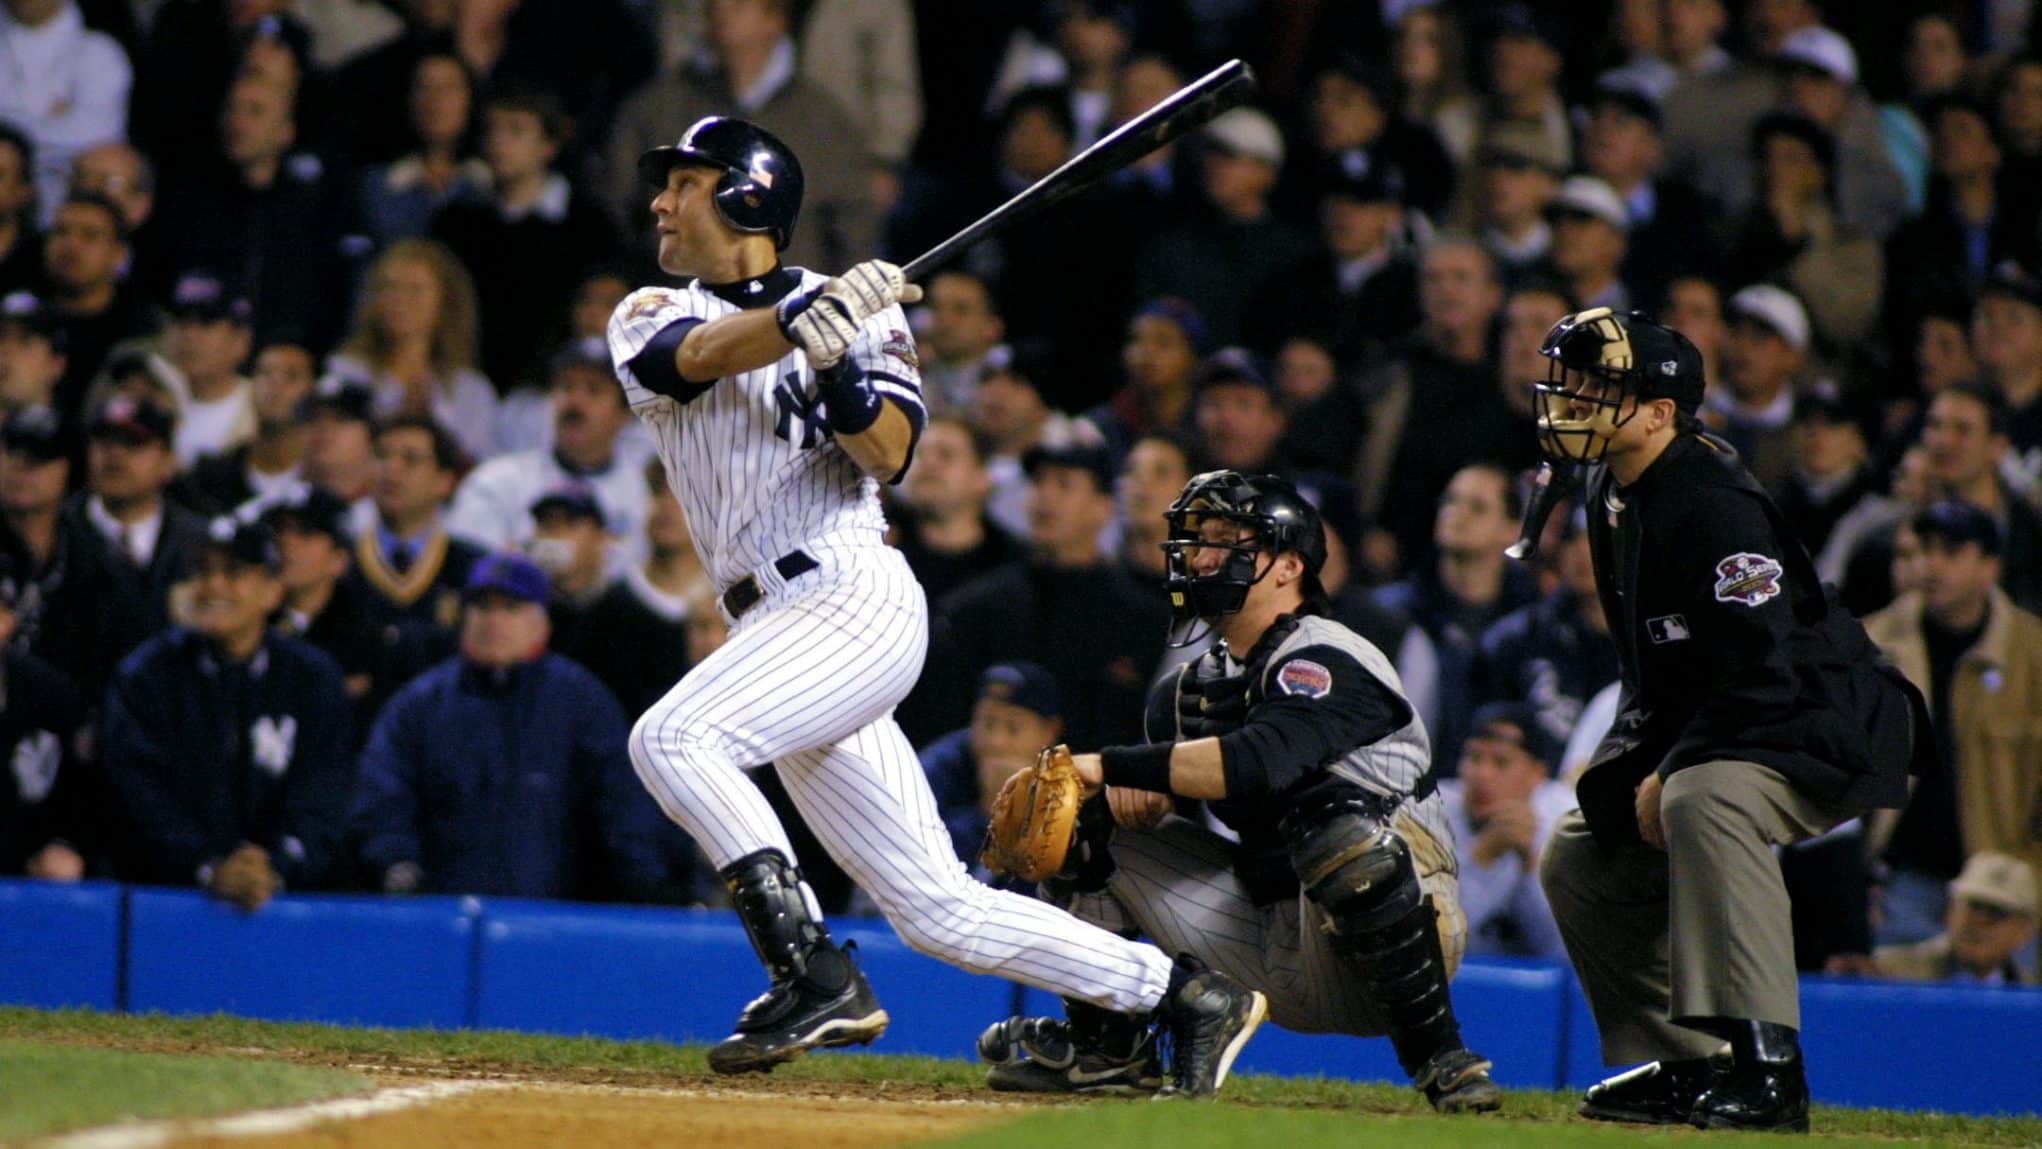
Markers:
45,1088
1266,1112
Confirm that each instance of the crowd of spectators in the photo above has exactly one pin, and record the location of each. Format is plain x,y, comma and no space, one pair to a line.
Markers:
330,553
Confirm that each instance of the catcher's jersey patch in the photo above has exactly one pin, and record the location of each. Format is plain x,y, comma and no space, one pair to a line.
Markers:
1748,579
1304,677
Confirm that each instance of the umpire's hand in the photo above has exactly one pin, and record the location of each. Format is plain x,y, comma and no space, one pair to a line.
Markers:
1648,812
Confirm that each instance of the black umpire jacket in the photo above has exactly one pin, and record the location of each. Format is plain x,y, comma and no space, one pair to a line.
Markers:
1731,648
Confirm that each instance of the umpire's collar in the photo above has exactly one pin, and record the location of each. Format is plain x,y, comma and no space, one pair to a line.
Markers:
758,291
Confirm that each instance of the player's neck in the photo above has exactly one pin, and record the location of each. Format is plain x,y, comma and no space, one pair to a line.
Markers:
1245,627
739,262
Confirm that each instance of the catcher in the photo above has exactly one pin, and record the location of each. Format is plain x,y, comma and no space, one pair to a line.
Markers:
1340,899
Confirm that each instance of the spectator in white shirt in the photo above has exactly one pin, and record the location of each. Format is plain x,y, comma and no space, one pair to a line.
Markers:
209,340
1503,806
63,84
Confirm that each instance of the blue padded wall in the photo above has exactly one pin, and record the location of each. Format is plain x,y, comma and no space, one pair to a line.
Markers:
60,945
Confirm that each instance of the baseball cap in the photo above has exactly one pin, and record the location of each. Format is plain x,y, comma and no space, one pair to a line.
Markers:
1826,403
1626,94
1775,307
1087,457
1231,365
310,508
577,500
1521,715
206,297
1247,132
130,421
346,400
1590,197
1024,684
1030,362
1820,50
24,310
1997,880
2014,280
1956,523
1818,138
509,574
1527,22
1180,312
591,351
1669,365
1379,182
246,542
36,432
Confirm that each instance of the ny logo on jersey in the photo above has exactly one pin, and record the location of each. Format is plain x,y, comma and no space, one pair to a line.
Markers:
275,741
797,406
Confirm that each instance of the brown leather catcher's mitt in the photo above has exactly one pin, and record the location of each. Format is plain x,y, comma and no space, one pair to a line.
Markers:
1035,818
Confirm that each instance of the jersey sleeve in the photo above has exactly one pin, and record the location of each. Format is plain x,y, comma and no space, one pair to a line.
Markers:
885,352
646,316
1320,704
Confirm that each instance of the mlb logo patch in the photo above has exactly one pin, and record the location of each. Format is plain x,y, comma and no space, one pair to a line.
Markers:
1305,677
1667,628
1748,579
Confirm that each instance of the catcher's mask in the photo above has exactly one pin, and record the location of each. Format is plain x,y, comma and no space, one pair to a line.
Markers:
1241,517
1598,359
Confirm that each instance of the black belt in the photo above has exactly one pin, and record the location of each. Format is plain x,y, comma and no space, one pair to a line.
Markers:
745,594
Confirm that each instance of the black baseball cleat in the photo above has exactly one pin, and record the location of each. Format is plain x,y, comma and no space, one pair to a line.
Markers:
1050,1055
1209,1017
1457,1081
798,1015
1657,1093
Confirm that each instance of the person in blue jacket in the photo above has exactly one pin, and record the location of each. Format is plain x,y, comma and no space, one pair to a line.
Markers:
1019,710
225,746
503,769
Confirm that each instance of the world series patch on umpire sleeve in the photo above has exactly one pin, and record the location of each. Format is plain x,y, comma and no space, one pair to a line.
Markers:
1304,677
1748,579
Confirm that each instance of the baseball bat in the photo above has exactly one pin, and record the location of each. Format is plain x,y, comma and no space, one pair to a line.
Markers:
1189,107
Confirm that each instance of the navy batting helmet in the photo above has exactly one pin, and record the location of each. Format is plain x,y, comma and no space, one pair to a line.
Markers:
1280,520
760,190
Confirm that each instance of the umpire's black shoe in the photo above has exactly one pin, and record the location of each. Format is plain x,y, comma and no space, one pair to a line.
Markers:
1457,1081
1209,1017
1659,1093
1046,1055
1765,1089
798,1015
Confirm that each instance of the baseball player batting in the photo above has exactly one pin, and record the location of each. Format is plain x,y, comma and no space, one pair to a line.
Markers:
779,399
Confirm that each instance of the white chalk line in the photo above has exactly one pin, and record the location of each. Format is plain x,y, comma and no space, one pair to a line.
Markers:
267,1122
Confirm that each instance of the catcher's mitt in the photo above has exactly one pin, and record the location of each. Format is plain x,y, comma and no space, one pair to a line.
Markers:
1035,817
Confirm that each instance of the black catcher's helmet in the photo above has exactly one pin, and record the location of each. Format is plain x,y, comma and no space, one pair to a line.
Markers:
1599,359
761,186
1282,522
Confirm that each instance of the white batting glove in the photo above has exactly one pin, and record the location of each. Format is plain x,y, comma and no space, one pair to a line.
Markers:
823,330
872,287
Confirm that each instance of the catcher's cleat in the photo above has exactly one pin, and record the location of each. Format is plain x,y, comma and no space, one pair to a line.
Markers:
1048,1055
1457,1081
1209,1017
798,1015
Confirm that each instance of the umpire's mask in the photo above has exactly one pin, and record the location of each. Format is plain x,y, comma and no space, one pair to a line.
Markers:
1598,359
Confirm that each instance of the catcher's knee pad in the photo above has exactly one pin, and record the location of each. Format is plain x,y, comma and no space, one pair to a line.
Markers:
782,919
1356,868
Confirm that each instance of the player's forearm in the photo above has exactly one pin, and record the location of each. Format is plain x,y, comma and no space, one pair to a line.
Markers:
731,345
1194,769
881,450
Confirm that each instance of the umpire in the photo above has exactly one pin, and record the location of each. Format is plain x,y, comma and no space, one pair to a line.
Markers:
1754,713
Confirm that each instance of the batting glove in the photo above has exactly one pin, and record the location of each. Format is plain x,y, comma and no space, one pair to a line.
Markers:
872,287
820,324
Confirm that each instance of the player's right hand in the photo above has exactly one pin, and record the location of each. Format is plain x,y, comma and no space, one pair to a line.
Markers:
821,325
872,287
1137,809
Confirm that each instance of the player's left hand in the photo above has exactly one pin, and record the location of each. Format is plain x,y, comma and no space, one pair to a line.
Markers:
871,287
821,325
1137,809
1649,826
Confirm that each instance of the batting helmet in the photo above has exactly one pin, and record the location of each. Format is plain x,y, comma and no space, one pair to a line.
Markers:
760,191
1281,522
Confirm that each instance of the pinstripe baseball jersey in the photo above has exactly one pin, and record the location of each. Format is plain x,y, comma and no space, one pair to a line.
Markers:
751,457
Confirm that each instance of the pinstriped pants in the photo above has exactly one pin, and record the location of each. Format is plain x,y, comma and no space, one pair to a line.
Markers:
808,681
1176,884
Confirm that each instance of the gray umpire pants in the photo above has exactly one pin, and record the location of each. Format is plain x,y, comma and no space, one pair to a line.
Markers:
1176,885
1702,929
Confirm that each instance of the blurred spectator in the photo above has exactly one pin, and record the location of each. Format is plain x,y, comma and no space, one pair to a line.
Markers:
536,798
340,451
1359,291
1934,67
1942,348
1693,306
124,175
527,245
47,803
1164,341
82,259
31,353
1711,107
414,569
1151,478
67,87
1793,237
1821,84
414,345
1502,804
1067,608
750,72
1668,224
492,509
1357,128
1637,38
1018,711
2006,332
596,619
1989,923
1591,229
1239,420
63,607
1977,657
1965,439
1832,472
398,199
270,216
1323,408
208,342
1234,247
862,52
1872,555
322,604
193,54
945,534
1465,590
1010,411
596,300
272,460
1092,40
341,30
1528,314
1552,656
1149,189
151,543
671,569
225,745
1435,406
21,243
1964,230
2018,102
964,327
1512,188
1431,64
707,630
1523,63
1765,355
